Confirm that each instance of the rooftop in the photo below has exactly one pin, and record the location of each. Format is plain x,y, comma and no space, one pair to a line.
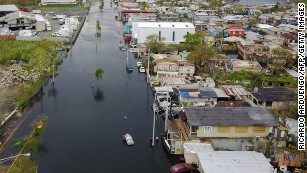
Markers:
8,8
165,25
229,116
273,94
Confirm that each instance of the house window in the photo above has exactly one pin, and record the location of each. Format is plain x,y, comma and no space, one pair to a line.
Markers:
207,128
241,129
159,35
259,129
223,129
173,35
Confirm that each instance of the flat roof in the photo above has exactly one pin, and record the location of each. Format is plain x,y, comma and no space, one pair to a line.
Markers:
234,162
8,8
165,25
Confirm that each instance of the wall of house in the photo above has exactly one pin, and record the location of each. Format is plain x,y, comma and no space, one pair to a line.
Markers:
186,70
232,132
167,33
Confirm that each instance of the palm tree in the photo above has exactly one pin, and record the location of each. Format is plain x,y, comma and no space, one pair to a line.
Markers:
98,73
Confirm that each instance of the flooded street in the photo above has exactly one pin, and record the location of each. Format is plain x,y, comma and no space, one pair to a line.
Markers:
85,124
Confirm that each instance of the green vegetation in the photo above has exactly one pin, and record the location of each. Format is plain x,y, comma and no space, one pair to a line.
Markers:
24,164
98,29
57,8
261,32
155,43
37,58
255,80
99,73
193,40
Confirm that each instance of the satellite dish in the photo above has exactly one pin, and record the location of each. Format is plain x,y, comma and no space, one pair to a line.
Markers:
256,89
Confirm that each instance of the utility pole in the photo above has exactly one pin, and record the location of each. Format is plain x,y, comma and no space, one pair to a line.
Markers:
154,123
148,75
166,111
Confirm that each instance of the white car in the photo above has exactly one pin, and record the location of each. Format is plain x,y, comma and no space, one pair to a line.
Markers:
139,64
142,70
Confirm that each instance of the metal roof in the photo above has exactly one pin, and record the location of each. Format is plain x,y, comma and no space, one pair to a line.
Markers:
8,8
229,116
165,25
273,94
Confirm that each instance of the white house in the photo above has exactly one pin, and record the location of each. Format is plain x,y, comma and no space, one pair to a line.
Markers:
52,2
173,32
210,161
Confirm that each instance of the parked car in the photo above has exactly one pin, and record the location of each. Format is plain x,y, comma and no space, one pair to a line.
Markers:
182,167
139,64
142,70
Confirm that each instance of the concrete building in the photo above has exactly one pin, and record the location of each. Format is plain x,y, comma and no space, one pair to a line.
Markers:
271,98
210,161
246,65
58,2
173,32
6,9
18,19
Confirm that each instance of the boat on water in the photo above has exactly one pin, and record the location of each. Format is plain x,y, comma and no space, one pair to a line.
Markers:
128,138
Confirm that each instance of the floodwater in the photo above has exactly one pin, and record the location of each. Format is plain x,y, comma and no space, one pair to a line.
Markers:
85,124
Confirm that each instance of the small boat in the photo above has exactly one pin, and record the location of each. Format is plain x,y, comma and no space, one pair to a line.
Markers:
128,139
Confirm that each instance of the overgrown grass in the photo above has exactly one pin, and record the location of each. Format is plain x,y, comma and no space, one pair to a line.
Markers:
58,8
256,80
24,164
37,57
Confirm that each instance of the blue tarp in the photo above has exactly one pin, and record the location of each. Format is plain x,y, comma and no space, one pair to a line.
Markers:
185,94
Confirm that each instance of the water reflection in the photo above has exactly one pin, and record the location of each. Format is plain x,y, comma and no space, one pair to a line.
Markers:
52,91
97,94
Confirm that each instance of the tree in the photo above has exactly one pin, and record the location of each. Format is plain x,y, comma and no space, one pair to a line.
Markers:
99,73
253,22
201,56
98,29
192,41
281,57
155,43
215,4
144,5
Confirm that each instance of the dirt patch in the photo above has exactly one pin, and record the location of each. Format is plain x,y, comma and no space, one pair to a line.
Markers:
8,98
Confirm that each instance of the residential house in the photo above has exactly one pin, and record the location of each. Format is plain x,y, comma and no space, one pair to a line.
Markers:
234,30
201,96
271,98
245,65
225,122
236,92
288,27
208,160
289,38
174,68
274,31
58,2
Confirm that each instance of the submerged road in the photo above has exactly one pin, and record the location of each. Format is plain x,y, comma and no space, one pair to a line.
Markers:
85,125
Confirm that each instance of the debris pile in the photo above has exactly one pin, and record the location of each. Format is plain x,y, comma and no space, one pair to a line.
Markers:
15,75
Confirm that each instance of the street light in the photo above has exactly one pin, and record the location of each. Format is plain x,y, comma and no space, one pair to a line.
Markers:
13,157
